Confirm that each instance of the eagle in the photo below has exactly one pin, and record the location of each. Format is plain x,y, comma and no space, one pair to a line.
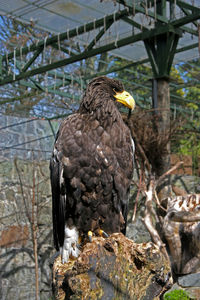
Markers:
91,168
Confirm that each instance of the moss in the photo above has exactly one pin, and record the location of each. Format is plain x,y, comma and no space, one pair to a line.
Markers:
113,268
176,295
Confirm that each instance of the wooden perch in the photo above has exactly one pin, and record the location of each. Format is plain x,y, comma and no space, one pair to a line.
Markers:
159,180
148,213
112,268
181,230
184,216
151,196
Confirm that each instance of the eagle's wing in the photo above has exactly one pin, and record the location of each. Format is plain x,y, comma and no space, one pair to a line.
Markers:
58,200
124,149
64,237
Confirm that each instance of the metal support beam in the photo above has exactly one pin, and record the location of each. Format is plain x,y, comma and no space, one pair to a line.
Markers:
86,54
165,29
133,23
33,58
161,52
187,19
161,8
67,35
64,50
137,8
188,6
100,34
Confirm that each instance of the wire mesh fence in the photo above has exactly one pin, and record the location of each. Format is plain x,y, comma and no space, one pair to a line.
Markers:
25,207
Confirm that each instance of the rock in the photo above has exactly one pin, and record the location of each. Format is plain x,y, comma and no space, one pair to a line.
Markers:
137,231
190,280
186,182
112,268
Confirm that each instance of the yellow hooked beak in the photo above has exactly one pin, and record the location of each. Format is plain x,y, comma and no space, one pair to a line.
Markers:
126,99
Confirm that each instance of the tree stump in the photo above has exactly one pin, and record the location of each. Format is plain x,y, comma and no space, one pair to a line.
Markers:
112,268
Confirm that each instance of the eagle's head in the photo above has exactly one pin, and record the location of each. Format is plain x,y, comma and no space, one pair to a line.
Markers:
102,89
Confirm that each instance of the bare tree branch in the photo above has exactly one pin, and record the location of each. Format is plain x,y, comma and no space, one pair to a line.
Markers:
168,172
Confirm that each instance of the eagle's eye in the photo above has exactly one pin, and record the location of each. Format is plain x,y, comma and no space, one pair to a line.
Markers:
115,90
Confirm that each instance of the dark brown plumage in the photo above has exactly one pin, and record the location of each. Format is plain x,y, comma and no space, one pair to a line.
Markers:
91,167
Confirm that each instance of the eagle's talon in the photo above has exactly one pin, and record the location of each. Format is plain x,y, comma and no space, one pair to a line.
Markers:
103,233
90,234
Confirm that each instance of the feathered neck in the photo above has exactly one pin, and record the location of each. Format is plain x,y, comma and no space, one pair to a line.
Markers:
99,104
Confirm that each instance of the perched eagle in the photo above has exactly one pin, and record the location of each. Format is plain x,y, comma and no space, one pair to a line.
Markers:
91,168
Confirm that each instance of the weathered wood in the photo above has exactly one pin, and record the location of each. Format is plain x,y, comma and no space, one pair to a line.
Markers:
181,229
112,268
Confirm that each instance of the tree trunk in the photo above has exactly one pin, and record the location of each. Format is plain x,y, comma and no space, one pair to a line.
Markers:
112,268
163,97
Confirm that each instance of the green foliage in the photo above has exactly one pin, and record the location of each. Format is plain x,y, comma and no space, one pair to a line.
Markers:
186,141
189,143
176,76
176,295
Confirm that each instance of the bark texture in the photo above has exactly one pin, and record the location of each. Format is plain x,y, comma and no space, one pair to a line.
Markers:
112,268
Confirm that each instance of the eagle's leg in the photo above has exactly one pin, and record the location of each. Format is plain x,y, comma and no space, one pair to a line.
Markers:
70,245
